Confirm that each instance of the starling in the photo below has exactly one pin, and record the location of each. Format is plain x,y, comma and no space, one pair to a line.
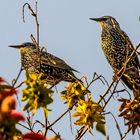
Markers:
35,60
117,48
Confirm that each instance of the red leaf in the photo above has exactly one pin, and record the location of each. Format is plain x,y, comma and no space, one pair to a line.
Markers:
33,136
8,91
17,116
1,80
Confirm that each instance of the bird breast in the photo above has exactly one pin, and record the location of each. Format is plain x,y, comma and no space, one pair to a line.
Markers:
30,61
114,48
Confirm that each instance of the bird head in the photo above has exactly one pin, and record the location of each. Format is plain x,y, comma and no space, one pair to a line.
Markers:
24,46
107,21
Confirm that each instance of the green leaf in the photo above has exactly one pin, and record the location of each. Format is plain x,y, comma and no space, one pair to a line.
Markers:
101,128
46,112
27,106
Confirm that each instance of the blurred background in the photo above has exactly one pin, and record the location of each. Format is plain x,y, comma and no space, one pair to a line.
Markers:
67,32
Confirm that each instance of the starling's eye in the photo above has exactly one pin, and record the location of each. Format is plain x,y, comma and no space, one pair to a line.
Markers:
104,19
109,21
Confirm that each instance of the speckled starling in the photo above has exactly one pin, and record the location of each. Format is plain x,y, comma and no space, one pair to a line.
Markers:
36,61
117,48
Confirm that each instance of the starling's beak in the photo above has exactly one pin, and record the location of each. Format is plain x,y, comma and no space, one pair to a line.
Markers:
15,46
96,19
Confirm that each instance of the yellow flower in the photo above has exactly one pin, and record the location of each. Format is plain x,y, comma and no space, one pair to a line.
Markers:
73,93
36,93
88,112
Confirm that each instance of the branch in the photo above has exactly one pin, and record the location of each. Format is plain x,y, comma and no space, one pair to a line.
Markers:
34,14
117,124
81,133
111,94
15,80
59,118
102,97
25,127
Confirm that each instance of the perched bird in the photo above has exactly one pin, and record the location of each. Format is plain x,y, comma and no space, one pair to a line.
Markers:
36,61
118,48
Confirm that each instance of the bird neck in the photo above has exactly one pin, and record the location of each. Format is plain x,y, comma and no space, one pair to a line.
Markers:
25,50
110,27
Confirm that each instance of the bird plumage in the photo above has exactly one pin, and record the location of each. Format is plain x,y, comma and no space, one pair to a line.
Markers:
117,48
36,60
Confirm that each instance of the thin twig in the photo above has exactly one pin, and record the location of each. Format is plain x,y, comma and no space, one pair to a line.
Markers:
37,25
126,133
34,14
37,121
85,79
102,97
117,124
34,41
57,134
14,83
15,80
58,118
111,95
70,122
46,120
19,85
81,134
25,127
93,80
138,132
29,121
122,70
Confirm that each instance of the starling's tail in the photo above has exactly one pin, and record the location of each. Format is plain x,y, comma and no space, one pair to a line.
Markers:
73,78
136,86
131,86
79,81
131,78
127,82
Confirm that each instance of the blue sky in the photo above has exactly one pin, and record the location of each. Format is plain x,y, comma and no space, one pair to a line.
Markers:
66,31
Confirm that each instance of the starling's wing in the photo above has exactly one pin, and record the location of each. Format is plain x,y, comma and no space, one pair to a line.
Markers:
51,60
136,63
130,46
